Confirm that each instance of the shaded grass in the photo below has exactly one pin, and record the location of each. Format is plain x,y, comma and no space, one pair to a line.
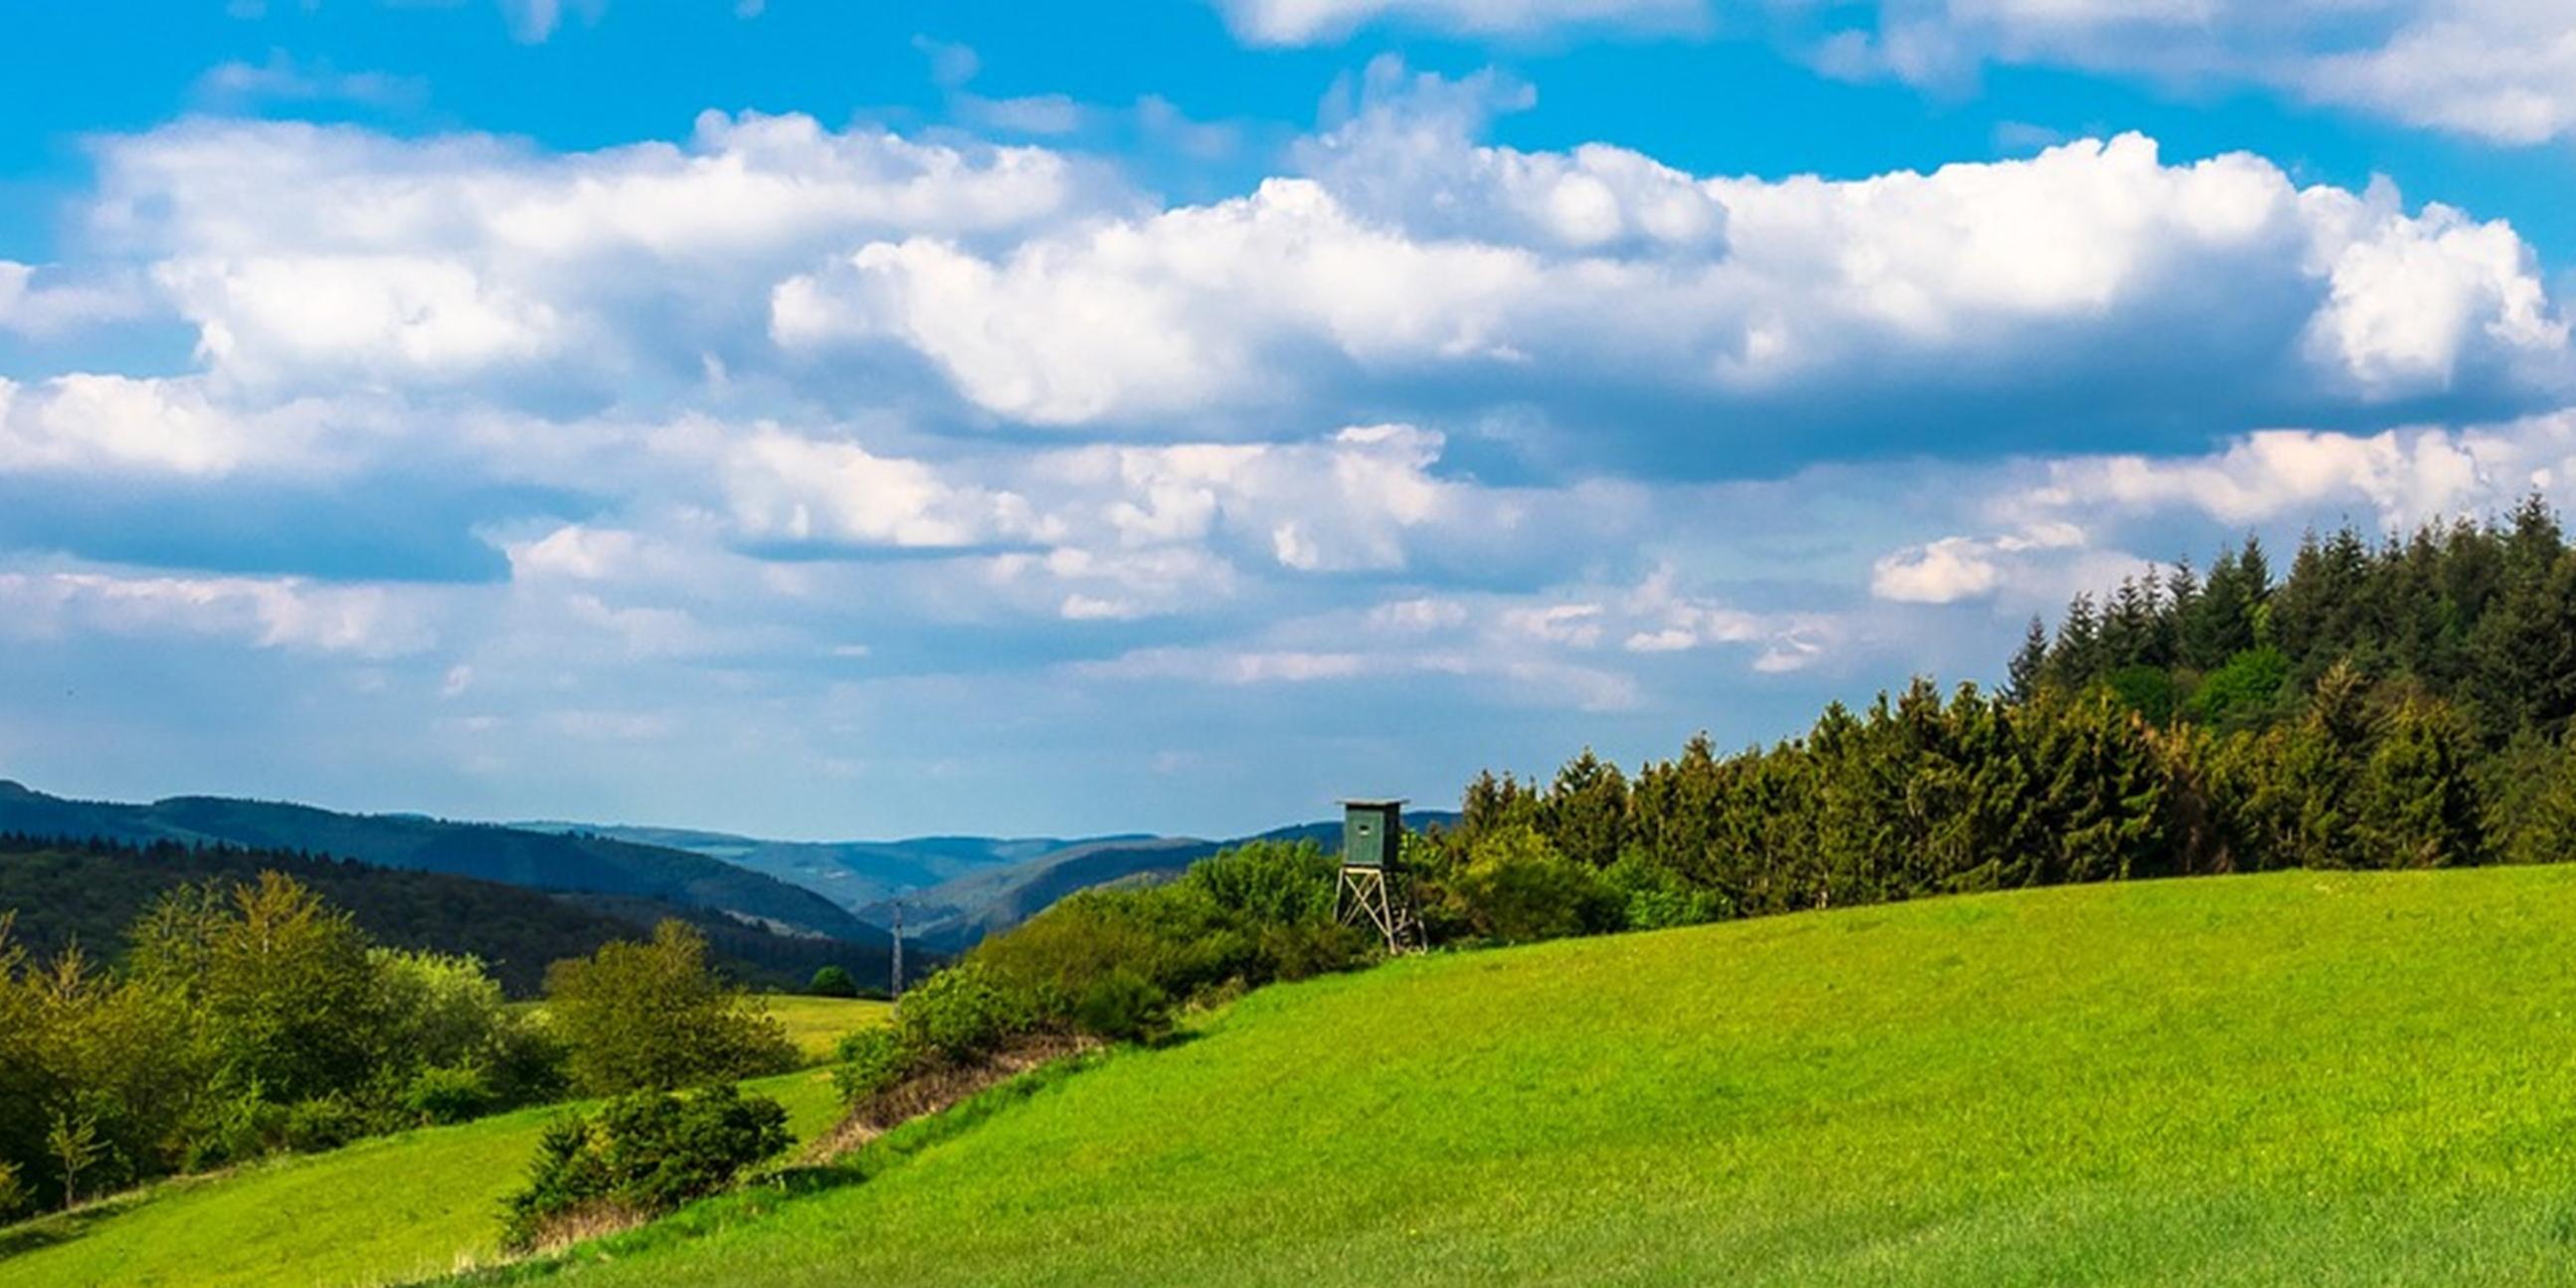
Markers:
2300,1078
385,1210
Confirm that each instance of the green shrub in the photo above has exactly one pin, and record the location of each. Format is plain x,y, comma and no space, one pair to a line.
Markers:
962,1014
654,1017
1654,897
448,1093
832,981
870,1061
1517,887
1123,1006
322,1122
15,1197
640,1156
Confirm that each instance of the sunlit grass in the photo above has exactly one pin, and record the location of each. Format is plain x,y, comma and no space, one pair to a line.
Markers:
817,1024
2302,1078
386,1210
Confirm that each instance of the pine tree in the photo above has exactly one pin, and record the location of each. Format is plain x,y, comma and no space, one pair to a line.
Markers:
2416,805
2029,665
2076,659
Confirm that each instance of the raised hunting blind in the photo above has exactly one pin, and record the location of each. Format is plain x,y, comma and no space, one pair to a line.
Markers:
1372,832
1371,890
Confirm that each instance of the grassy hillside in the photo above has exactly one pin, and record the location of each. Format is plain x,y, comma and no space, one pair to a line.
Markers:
380,1211
2310,1078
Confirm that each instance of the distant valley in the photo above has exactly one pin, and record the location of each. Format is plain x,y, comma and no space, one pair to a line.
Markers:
756,897
955,890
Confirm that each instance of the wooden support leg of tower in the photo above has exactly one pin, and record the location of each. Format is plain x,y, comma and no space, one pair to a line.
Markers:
1365,893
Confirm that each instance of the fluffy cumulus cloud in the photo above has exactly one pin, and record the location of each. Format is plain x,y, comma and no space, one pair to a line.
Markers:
465,257
1409,261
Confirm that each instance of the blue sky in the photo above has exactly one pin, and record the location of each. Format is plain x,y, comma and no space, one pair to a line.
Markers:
837,419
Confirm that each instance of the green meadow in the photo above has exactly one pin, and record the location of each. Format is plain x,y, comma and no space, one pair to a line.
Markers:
817,1024
386,1210
2313,1078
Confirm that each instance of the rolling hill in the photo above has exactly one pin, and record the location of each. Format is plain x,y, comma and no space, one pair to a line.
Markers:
955,915
60,894
583,864
380,1211
853,874
2310,1078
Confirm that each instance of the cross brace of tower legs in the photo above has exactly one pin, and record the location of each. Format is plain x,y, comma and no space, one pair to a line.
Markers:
1368,898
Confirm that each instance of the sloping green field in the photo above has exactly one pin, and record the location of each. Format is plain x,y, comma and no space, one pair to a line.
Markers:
2291,1079
387,1210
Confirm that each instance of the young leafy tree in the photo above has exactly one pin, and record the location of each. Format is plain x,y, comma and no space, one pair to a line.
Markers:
654,1017
832,981
73,1143
280,980
1518,887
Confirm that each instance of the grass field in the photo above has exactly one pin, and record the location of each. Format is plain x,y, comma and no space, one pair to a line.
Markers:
388,1210
2302,1078
817,1024
814,1024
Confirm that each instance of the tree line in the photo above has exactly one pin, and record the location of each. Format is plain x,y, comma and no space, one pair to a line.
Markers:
248,1018
87,891
2389,703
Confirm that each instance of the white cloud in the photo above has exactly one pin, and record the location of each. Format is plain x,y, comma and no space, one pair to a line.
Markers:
2404,476
1664,619
2065,518
2091,262
54,307
1303,22
2500,69
285,78
107,424
1942,572
2503,70
456,255
785,488
288,613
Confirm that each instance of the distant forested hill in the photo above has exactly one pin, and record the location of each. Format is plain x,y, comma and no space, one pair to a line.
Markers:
955,915
853,874
534,860
88,893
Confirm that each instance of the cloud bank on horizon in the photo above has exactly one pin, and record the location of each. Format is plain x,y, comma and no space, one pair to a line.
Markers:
941,471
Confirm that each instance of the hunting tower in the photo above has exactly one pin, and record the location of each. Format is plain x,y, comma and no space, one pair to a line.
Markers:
1372,845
